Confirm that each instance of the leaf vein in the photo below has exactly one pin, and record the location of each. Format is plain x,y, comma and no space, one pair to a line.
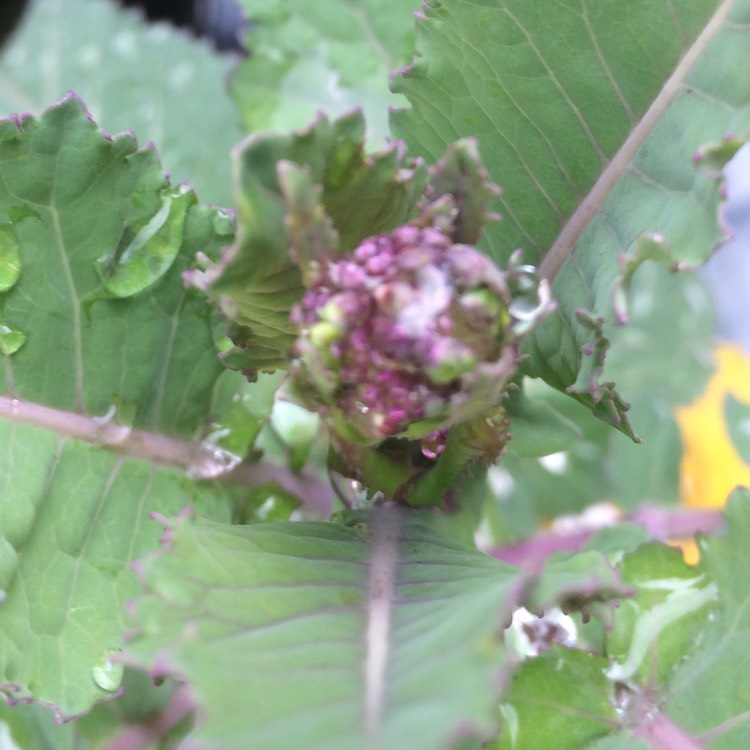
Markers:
550,71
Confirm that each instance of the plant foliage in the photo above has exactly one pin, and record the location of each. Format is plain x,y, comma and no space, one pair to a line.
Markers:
195,553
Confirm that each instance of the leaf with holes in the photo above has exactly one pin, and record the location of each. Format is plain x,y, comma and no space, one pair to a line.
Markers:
383,624
588,114
103,396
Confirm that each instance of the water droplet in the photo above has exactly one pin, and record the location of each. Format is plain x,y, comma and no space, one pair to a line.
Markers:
141,259
532,298
180,75
89,56
11,339
223,223
109,431
147,111
212,461
124,44
10,258
107,673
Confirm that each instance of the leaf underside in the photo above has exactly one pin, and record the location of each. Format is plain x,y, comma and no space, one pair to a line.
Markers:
553,91
238,610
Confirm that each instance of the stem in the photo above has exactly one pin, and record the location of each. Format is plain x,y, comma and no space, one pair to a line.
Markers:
108,434
568,238
663,734
661,523
382,584
146,735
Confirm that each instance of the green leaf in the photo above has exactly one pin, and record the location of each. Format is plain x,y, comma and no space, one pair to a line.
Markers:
613,541
153,80
460,174
621,741
328,56
738,422
594,465
299,429
258,282
240,410
537,428
655,629
103,406
378,623
559,699
674,675
23,727
584,582
552,95
670,330
710,692
589,115
46,165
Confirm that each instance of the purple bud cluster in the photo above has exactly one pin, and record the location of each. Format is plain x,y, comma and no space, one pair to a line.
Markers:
398,336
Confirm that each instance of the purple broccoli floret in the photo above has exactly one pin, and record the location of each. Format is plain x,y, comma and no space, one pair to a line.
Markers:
409,335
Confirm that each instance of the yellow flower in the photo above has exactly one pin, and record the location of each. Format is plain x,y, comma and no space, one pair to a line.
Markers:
711,466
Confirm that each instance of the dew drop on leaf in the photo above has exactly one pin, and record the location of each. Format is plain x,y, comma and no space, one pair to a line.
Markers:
109,430
107,673
10,258
143,257
223,223
11,339
212,461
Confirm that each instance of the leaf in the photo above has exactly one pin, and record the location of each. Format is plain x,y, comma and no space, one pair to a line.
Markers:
710,693
240,410
685,634
146,78
576,582
656,339
619,742
670,330
327,56
738,421
657,627
602,465
49,162
23,727
378,622
351,196
589,115
460,174
538,429
103,405
542,710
